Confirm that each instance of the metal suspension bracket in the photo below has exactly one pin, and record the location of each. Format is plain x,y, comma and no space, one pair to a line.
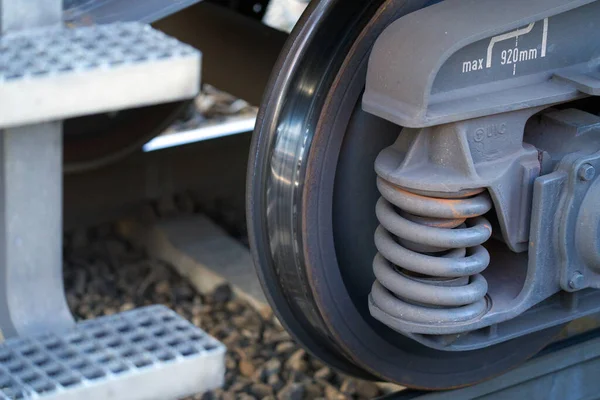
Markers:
484,69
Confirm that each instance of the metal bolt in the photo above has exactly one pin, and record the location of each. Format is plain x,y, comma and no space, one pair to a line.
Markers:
587,172
577,281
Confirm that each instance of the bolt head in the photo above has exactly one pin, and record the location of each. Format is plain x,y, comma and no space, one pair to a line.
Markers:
587,172
577,281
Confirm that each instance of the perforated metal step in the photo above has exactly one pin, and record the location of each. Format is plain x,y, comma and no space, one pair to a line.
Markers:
148,353
53,74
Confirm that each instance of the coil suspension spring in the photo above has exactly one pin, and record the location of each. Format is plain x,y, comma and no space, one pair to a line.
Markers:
431,255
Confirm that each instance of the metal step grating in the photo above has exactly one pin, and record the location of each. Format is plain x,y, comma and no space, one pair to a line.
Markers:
50,74
148,353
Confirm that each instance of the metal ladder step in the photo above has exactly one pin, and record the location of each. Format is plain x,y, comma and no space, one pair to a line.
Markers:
50,74
147,353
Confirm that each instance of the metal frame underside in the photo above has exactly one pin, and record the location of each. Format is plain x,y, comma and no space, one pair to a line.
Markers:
86,12
566,370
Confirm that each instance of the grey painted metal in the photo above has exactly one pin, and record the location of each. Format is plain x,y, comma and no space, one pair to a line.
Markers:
573,214
91,70
460,158
447,167
16,15
483,57
524,289
566,372
148,353
32,297
453,159
46,75
83,12
429,263
579,224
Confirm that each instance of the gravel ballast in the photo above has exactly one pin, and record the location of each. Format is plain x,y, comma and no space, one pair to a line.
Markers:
105,274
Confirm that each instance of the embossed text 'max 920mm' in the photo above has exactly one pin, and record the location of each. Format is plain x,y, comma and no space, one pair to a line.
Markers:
490,150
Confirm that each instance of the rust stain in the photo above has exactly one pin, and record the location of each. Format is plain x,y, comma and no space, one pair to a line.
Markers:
453,205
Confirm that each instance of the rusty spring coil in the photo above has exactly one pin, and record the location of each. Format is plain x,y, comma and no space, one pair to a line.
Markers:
430,256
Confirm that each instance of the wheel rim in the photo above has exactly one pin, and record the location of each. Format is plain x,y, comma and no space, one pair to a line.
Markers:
307,112
308,332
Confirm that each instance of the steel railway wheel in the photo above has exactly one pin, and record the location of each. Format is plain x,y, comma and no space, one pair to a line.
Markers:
311,202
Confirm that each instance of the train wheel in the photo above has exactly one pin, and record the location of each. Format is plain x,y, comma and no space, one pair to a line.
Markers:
311,201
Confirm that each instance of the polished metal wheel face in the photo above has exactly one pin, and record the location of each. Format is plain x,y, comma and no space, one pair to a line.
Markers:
311,202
